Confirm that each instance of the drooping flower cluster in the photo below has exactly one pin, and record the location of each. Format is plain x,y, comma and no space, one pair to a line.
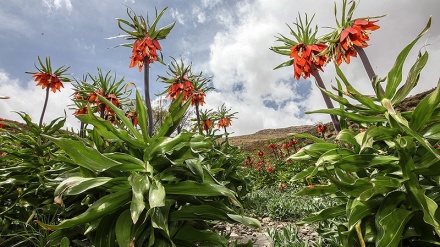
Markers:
132,115
96,102
307,56
198,98
48,80
207,124
224,122
181,86
321,128
352,36
144,48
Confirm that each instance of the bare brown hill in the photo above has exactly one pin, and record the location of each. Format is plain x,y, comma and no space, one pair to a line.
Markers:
259,140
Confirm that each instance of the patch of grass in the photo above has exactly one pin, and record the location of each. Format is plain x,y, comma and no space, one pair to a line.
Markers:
283,204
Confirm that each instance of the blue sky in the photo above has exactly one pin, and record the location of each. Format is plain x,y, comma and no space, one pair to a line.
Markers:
228,40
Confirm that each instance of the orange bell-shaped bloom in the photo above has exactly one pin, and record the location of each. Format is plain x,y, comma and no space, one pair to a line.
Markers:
207,124
224,122
321,128
356,35
198,98
81,111
304,56
48,80
143,48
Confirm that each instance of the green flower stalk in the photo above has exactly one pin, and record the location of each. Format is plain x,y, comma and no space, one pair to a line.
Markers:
144,49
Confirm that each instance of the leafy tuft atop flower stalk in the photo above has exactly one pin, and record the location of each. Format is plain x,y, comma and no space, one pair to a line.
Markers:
146,38
350,34
49,79
306,50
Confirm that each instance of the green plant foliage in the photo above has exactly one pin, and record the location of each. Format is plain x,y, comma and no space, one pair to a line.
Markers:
29,173
385,173
289,236
148,191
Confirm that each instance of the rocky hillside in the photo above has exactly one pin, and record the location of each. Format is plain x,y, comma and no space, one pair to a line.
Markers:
256,141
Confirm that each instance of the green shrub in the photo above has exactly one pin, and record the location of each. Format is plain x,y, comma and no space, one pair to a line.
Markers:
153,191
388,176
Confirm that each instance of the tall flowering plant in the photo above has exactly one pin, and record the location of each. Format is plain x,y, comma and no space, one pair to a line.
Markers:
224,117
182,80
145,48
351,37
308,56
49,79
107,85
387,175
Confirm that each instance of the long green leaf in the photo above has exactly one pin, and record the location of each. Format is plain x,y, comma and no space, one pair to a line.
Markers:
84,156
105,205
428,207
423,112
328,213
412,79
156,194
200,189
395,75
123,228
352,116
140,184
392,228
121,115
78,185
142,117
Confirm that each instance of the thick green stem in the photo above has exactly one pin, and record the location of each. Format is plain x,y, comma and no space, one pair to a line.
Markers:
327,99
367,65
44,107
147,95
198,118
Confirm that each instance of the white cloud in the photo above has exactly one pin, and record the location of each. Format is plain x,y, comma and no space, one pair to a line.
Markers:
201,16
30,99
240,55
58,4
178,16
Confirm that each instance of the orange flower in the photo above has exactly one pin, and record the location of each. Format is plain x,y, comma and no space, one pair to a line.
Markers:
270,169
198,98
356,35
80,111
133,117
174,91
260,153
207,124
142,48
304,56
321,128
272,146
77,96
292,142
224,122
282,187
48,80
188,89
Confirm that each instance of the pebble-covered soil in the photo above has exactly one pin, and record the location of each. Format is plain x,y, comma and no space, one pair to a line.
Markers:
260,238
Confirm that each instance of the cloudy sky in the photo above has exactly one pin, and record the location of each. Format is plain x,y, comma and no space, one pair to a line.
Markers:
226,39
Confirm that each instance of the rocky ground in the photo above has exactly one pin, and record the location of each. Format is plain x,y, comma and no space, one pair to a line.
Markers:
239,233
